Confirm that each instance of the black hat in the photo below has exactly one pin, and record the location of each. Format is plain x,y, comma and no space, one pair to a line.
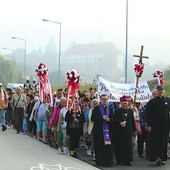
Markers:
160,87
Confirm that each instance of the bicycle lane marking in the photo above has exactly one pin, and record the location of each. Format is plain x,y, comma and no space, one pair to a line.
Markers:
44,166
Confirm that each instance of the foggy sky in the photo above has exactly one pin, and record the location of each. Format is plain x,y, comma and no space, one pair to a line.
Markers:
86,21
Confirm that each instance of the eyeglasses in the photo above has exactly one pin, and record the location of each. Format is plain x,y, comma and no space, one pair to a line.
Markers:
104,99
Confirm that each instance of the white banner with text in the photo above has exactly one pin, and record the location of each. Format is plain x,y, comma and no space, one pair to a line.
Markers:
115,90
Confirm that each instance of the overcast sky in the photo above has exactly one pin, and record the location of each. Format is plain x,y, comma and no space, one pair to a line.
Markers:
86,21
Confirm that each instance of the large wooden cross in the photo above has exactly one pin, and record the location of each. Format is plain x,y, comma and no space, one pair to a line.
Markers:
141,55
137,78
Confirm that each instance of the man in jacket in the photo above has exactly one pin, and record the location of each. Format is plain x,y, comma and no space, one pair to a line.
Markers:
3,106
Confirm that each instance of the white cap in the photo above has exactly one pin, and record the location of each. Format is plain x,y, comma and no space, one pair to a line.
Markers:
0,84
36,98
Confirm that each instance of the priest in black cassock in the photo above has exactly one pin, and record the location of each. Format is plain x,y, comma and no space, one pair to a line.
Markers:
124,128
102,116
158,121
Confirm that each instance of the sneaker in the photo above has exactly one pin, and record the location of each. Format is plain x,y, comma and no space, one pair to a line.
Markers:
94,159
65,150
39,140
9,126
59,150
44,142
4,128
88,152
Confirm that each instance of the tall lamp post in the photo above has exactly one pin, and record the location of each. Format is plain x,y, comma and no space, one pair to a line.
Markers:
25,53
13,60
59,50
12,52
126,46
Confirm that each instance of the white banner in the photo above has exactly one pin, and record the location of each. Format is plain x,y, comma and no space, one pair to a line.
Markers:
116,90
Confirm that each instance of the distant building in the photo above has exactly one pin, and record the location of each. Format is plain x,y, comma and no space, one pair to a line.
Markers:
93,59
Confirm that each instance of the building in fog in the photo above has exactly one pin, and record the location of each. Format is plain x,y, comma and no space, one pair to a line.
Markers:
93,59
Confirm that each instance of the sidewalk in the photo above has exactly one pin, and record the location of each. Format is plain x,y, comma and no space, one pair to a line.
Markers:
22,152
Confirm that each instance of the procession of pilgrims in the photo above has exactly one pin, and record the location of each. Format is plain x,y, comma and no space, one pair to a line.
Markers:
110,131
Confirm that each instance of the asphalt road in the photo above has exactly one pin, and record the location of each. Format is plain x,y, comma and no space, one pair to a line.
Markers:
21,152
137,163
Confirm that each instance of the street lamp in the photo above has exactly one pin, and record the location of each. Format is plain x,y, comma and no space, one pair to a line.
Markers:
24,53
126,46
59,50
12,52
13,60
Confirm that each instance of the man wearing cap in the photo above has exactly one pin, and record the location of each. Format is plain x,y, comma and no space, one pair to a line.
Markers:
158,124
3,106
124,128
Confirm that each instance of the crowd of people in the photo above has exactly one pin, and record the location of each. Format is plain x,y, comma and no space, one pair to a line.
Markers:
108,130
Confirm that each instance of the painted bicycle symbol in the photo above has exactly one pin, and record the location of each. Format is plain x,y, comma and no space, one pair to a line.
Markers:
44,166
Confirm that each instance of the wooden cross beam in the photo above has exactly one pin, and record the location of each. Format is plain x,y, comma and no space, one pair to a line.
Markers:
137,78
141,55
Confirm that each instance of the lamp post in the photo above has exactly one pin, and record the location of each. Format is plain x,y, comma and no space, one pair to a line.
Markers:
59,50
126,46
25,53
12,52
13,60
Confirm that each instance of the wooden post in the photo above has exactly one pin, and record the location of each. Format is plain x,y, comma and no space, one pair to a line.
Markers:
137,77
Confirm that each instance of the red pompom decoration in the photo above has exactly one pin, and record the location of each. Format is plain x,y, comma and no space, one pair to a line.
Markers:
160,75
42,70
139,69
73,76
73,80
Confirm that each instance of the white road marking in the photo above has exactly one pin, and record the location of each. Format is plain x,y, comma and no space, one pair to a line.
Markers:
44,166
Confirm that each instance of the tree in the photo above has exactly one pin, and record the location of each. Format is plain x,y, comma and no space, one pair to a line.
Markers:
9,71
167,74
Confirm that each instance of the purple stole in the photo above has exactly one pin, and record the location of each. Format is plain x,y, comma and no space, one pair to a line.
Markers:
106,134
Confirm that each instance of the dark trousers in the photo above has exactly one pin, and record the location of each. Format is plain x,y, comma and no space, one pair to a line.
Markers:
49,137
33,127
19,115
142,140
8,117
74,135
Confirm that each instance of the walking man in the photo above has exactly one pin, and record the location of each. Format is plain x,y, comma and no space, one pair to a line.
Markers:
3,106
102,116
18,104
158,123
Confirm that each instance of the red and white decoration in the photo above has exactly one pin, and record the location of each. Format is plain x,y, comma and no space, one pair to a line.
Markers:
44,83
160,75
139,69
73,83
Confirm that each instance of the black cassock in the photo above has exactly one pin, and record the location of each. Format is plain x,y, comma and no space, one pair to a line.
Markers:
103,153
157,117
123,135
